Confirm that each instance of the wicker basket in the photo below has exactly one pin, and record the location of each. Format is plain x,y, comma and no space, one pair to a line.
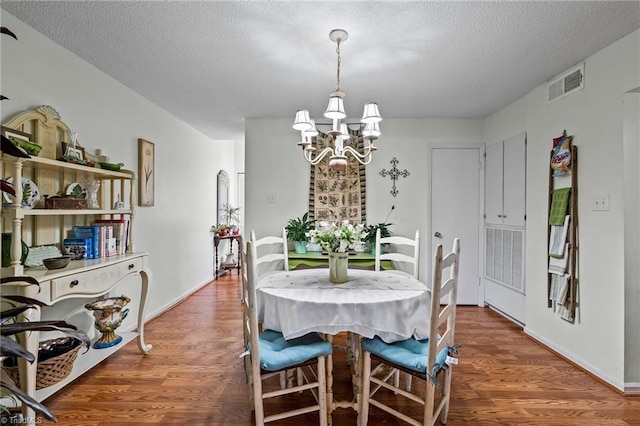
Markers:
65,202
52,370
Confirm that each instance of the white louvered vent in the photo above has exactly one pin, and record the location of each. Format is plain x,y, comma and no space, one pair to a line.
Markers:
504,257
566,83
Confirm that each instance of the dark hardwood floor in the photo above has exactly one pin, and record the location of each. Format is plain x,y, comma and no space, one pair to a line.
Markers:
193,376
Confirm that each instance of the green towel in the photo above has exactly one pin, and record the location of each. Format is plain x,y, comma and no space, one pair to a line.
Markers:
559,206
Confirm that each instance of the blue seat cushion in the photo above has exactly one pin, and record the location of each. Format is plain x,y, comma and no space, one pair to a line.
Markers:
411,354
276,353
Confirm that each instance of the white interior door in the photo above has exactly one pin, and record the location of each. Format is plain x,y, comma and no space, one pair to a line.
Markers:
455,212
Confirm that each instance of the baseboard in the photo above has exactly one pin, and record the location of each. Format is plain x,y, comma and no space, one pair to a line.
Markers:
632,389
504,314
175,302
594,372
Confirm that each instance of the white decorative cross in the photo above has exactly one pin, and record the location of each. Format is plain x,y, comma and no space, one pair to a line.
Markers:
394,173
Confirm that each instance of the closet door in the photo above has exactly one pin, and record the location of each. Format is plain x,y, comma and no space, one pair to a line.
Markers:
493,184
514,175
455,213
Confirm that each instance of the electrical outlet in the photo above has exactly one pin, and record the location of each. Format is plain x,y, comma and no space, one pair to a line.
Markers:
271,198
600,203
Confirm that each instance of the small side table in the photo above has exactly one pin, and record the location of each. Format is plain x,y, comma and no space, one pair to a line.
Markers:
216,241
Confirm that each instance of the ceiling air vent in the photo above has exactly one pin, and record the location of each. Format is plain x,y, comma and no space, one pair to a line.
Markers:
566,83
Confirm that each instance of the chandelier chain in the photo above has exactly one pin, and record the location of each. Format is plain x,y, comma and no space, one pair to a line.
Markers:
338,67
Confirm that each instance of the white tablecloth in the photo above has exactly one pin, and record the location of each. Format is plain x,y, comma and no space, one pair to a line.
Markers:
391,305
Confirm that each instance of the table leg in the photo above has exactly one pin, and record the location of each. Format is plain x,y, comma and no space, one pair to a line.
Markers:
215,262
145,276
353,350
357,370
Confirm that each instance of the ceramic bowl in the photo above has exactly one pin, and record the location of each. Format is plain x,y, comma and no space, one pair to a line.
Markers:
115,167
29,147
56,262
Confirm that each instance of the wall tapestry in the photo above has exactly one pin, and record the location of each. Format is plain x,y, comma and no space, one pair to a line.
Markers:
337,196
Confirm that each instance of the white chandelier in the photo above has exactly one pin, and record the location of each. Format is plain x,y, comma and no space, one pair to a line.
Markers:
337,153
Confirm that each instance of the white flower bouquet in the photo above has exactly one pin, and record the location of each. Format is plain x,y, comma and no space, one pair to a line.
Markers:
337,238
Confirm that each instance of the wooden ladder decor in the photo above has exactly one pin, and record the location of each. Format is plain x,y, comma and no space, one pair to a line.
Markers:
562,295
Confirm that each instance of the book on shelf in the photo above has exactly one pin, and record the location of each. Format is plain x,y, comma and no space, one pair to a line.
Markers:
120,232
105,234
77,248
92,232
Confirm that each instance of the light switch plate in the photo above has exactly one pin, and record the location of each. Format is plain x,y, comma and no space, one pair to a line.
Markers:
600,203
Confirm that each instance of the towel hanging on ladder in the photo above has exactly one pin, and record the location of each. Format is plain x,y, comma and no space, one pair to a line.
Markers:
558,239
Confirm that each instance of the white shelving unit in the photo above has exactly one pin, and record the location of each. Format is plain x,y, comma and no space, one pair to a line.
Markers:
88,279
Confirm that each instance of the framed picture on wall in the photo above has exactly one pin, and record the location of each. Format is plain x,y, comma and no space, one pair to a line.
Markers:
146,172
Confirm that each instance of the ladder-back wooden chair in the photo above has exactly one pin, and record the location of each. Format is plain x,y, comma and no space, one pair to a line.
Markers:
423,359
268,354
272,252
404,250
404,253
272,255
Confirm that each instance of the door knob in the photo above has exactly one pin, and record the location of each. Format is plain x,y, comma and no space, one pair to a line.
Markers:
437,235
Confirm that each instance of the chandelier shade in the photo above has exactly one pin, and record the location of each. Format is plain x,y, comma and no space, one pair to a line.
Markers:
372,131
335,109
339,131
302,121
371,113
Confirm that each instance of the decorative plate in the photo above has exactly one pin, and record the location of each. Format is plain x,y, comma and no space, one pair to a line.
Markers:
30,193
77,190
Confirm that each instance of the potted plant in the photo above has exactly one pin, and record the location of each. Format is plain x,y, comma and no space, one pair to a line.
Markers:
297,230
11,347
371,233
230,215
373,228
219,229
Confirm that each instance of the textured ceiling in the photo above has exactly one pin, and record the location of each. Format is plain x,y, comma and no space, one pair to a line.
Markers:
214,63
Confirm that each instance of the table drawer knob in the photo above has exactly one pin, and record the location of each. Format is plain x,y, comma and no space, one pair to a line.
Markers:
131,266
74,283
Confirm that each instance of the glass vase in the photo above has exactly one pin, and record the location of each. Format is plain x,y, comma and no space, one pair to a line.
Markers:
338,265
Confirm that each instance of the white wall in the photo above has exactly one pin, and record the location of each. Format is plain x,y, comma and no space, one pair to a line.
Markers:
108,115
595,117
275,166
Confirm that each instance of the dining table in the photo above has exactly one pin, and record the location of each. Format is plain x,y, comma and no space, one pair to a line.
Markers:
390,304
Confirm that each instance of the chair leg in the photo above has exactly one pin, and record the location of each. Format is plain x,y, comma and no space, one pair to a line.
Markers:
429,403
363,416
257,400
446,393
322,391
